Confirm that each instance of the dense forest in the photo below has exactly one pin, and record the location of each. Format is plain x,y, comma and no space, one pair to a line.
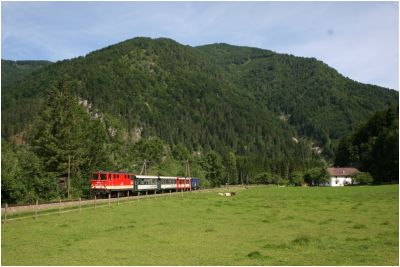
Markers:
238,114
14,71
374,147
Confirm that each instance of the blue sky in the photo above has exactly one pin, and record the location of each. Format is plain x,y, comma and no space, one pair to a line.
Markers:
359,39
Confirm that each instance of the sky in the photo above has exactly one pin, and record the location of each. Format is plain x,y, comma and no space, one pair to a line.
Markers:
359,39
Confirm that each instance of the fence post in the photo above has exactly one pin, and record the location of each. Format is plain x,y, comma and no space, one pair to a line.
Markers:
170,194
128,194
36,208
138,194
80,206
146,192
59,206
109,199
5,213
95,201
118,198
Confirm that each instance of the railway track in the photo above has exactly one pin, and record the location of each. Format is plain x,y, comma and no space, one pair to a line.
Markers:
76,202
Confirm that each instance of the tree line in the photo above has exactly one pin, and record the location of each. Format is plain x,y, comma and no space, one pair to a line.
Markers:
66,136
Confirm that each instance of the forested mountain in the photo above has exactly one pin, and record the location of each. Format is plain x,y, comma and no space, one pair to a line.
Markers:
159,100
13,71
316,99
156,83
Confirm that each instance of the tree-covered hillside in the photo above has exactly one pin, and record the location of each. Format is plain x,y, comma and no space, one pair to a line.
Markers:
319,102
217,96
374,146
233,111
13,71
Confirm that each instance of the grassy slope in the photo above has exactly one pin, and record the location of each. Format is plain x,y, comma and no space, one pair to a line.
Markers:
259,226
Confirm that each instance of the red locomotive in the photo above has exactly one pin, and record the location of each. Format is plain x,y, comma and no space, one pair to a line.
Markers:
112,181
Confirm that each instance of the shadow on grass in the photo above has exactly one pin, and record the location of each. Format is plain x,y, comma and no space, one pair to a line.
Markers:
256,255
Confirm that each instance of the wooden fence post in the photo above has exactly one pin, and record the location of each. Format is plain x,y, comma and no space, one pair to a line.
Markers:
36,208
109,199
138,194
128,194
170,194
95,201
80,205
59,207
118,198
5,213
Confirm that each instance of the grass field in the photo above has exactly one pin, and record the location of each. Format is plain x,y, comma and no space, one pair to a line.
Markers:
259,226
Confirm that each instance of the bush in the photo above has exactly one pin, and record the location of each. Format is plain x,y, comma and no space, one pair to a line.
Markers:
362,178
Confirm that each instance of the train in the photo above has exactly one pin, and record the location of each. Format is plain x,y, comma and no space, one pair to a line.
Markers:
124,183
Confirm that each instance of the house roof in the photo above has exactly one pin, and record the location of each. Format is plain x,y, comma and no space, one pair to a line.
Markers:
347,171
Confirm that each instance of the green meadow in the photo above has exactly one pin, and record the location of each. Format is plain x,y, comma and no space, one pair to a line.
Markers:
261,225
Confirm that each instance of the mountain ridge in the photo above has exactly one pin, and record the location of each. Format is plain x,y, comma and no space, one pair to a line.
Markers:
225,84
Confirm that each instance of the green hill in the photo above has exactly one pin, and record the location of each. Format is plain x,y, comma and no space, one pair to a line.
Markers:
235,112
215,96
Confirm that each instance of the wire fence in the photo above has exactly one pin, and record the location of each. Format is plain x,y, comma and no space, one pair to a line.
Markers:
35,210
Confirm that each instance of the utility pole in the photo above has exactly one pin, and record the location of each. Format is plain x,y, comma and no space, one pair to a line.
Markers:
187,169
144,168
187,174
69,176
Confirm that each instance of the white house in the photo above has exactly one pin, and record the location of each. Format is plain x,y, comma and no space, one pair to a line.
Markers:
340,176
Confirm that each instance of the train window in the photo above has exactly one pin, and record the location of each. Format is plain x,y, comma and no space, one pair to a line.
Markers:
103,176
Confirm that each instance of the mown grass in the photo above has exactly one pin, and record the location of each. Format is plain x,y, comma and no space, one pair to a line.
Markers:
259,226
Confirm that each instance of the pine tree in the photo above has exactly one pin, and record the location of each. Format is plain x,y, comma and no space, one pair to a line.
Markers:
212,165
231,168
65,132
